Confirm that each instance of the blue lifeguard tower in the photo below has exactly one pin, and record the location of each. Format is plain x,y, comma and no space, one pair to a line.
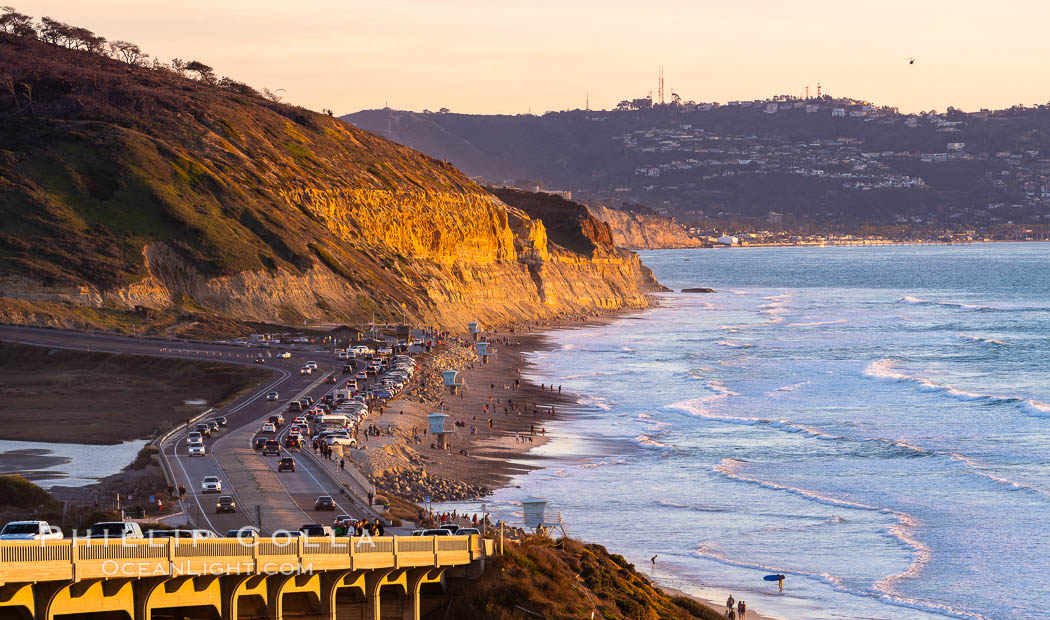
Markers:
437,427
475,330
535,518
451,379
483,351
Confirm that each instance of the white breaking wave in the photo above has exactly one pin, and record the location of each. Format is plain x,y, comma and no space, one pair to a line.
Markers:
982,340
732,344
884,369
917,301
901,530
818,323
788,388
646,440
836,584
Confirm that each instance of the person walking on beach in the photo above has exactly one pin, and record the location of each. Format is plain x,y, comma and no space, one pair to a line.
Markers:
780,582
730,602
741,610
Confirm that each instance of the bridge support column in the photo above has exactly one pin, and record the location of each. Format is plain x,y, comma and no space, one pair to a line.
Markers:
95,596
415,578
373,584
17,600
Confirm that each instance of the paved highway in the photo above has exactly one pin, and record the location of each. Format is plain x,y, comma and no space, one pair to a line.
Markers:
286,500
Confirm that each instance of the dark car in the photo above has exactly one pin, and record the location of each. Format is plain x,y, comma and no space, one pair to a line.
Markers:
317,529
286,464
271,448
347,369
324,502
259,360
278,420
309,400
203,429
295,406
292,442
214,425
259,443
225,503
247,531
451,527
330,379
221,420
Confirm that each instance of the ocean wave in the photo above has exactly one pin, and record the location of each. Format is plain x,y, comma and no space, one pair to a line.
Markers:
732,344
885,370
645,440
916,301
597,402
836,583
982,340
691,507
788,388
602,463
818,323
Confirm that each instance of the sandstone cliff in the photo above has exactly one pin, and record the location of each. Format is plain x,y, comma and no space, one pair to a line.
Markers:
643,231
137,199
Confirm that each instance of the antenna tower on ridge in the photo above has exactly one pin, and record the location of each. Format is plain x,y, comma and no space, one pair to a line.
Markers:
818,90
661,89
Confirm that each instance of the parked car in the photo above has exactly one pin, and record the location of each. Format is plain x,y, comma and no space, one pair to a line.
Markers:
248,531
340,439
159,534
286,464
324,502
225,503
30,530
271,448
272,396
437,532
452,527
116,529
468,531
197,449
211,484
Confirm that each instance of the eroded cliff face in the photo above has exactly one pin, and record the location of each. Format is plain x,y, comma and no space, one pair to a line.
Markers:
225,208
639,231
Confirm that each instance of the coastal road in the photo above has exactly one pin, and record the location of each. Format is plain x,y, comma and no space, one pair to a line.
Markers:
287,499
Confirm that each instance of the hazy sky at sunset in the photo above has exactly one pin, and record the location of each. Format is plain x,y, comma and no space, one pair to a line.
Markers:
489,56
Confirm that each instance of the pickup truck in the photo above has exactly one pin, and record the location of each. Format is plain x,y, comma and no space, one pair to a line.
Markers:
30,530
116,529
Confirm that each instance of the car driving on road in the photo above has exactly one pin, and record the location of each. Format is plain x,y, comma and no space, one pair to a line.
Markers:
268,427
259,442
211,484
225,503
271,448
324,502
197,449
272,396
286,464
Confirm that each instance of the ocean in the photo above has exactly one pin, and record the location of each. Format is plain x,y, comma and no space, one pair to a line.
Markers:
873,423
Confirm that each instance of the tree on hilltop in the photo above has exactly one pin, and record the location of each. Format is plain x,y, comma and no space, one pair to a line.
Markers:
13,22
203,71
128,52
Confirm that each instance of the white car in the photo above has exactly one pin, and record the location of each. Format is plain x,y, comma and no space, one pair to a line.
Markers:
362,376
306,370
211,484
273,396
268,428
311,365
197,449
340,440
284,355
194,437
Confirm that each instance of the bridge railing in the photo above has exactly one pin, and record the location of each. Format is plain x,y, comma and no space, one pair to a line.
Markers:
78,559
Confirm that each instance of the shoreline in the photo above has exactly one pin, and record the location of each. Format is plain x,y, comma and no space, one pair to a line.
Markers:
493,457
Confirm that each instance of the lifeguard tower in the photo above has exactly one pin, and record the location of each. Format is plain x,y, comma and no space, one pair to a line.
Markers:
437,428
534,509
474,329
452,381
484,352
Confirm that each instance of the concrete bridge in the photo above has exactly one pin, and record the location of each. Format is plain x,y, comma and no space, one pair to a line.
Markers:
320,578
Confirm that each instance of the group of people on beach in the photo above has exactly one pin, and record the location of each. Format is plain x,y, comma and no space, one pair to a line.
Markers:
737,613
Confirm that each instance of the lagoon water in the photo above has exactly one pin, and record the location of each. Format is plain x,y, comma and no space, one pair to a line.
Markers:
874,423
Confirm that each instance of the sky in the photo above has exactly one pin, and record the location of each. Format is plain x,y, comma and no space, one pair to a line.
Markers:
501,57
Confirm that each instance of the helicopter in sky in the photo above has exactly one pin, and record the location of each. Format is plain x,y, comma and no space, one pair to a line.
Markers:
911,60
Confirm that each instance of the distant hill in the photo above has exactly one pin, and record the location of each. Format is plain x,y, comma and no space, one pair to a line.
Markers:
826,163
138,198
